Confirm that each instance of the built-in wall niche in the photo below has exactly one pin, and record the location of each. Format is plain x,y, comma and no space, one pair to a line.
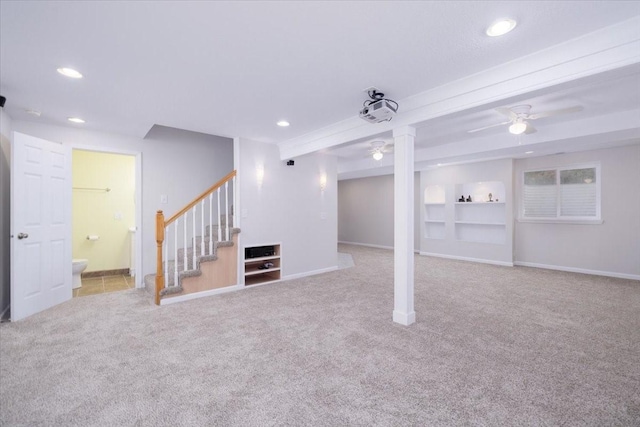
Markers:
483,218
434,206
479,191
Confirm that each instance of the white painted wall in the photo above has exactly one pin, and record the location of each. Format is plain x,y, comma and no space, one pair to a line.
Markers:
449,177
180,164
612,247
288,207
365,211
5,210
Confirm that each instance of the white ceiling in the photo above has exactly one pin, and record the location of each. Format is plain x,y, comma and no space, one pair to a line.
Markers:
236,68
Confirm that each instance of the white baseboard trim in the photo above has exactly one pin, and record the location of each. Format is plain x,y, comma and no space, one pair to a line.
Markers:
579,270
464,258
405,319
195,295
309,273
5,311
373,246
367,245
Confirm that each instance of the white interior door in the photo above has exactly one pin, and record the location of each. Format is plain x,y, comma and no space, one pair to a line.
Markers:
40,225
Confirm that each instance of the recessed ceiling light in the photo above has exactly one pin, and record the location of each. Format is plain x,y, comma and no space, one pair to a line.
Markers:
528,152
501,27
34,113
283,123
75,120
70,72
439,164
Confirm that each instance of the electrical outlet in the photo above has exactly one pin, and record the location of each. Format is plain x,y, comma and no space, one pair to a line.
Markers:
164,199
117,216
323,215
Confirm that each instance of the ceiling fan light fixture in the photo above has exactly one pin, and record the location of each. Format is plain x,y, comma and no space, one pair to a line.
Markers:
378,155
501,27
518,128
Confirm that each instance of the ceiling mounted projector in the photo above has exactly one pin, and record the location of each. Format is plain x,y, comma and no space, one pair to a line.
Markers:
378,108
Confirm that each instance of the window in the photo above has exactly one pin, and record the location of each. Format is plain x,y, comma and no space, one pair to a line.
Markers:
571,193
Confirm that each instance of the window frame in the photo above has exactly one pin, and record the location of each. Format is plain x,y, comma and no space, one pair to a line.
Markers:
597,219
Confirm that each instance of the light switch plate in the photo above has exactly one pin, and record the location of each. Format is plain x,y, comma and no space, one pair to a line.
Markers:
164,198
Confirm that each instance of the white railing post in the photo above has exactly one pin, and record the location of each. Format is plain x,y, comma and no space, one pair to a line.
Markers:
193,236
211,224
184,247
219,217
226,207
165,257
202,228
175,253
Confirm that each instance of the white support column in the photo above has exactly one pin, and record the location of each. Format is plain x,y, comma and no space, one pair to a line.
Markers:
403,225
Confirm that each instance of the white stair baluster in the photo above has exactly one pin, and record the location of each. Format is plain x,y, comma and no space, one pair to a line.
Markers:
193,226
165,257
211,224
175,253
184,248
219,217
202,228
226,207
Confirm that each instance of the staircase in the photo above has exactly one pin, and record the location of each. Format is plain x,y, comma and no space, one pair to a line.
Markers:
194,253
184,271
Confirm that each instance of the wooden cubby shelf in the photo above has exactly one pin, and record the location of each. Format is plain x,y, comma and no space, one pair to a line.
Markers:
254,275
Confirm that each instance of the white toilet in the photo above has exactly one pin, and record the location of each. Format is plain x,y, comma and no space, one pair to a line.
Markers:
79,265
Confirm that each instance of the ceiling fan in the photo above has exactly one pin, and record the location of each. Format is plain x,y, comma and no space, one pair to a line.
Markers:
520,116
378,148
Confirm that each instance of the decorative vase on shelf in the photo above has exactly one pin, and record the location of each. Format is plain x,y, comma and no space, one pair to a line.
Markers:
461,199
469,198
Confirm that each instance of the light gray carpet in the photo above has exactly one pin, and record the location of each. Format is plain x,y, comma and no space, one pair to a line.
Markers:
492,346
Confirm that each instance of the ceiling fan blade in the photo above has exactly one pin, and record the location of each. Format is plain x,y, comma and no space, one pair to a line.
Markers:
530,129
488,127
507,112
555,112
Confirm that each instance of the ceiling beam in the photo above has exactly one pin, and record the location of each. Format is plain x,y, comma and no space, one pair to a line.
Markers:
611,48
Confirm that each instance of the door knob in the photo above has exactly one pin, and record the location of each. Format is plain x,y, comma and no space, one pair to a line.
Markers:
22,236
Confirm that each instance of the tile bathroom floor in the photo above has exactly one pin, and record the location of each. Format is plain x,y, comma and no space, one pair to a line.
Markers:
103,285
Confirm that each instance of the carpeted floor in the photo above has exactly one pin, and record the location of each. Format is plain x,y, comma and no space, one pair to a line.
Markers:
492,346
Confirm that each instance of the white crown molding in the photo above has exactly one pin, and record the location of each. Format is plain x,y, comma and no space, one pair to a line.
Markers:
607,49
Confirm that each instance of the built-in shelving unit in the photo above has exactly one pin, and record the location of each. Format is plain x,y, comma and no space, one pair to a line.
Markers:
254,274
483,219
434,208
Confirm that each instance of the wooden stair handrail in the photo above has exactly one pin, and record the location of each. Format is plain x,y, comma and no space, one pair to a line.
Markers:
204,194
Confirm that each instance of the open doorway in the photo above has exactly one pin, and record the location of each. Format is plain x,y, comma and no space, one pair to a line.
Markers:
105,221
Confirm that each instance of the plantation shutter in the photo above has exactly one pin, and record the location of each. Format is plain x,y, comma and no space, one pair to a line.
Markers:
540,194
578,193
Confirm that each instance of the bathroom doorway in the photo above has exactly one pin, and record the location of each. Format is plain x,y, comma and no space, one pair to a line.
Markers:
106,214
